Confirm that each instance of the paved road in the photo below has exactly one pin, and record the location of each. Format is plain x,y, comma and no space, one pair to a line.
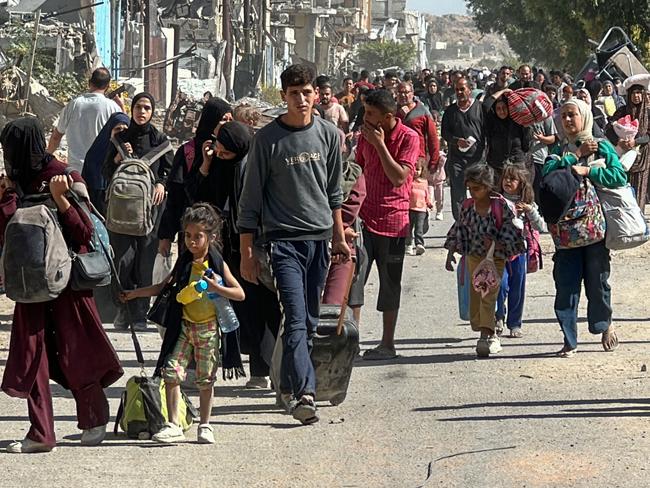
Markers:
522,419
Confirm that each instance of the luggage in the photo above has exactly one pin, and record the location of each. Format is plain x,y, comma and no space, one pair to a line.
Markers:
36,263
529,106
626,226
463,282
143,408
335,346
129,195
333,353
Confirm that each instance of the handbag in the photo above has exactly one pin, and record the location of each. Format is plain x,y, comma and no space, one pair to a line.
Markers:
92,269
584,223
158,311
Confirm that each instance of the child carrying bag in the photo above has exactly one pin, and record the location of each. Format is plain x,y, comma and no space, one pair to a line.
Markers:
143,404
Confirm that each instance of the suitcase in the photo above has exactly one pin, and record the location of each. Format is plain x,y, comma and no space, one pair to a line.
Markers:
335,346
333,354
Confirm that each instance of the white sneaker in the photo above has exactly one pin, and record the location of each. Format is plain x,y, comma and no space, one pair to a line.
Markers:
170,433
205,434
27,446
439,216
410,250
94,436
419,250
257,383
488,345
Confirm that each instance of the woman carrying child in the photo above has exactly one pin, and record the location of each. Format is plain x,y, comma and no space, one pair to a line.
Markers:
516,187
485,219
192,329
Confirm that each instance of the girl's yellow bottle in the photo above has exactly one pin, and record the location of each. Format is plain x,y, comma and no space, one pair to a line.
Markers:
192,292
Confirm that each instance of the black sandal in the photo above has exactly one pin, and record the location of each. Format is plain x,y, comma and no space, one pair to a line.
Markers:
609,339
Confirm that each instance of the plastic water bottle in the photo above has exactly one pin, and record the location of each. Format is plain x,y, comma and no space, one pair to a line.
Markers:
225,313
192,292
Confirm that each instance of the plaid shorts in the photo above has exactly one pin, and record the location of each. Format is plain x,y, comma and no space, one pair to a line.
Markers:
198,341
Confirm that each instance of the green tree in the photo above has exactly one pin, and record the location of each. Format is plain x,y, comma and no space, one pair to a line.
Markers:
557,32
384,54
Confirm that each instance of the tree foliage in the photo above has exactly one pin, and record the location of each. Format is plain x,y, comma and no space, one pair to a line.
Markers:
556,33
385,54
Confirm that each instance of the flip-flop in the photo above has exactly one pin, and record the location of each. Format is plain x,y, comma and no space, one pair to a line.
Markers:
379,353
609,339
516,333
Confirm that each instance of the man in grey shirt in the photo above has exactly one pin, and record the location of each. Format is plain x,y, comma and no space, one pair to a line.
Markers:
292,192
82,119
544,136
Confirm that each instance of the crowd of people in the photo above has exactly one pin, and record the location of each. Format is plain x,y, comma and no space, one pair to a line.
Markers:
344,179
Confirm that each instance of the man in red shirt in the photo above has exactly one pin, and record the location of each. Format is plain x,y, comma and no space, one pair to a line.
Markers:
387,152
416,116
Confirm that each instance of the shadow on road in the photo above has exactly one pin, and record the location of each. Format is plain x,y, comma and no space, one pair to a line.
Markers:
635,407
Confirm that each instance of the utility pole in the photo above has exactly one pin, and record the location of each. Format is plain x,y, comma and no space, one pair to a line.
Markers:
37,22
177,50
247,27
228,54
149,19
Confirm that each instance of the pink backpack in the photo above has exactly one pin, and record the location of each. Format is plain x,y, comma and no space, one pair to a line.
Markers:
534,249
528,106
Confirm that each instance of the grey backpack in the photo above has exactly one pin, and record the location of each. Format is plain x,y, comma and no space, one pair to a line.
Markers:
35,259
129,196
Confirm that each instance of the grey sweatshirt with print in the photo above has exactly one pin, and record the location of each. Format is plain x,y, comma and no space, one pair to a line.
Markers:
292,182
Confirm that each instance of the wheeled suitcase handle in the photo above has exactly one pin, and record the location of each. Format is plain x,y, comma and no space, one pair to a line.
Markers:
346,298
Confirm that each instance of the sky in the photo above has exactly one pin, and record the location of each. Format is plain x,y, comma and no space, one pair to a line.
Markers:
437,7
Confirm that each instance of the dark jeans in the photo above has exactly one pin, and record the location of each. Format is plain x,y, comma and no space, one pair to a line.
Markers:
572,266
458,190
513,290
300,269
416,230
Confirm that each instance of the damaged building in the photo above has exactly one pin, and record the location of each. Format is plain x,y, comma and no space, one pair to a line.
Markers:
228,47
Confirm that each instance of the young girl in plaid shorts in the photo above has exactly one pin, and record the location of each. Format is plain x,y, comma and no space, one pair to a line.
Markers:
198,335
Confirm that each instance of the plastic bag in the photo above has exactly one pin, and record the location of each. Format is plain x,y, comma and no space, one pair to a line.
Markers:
486,277
162,266
626,127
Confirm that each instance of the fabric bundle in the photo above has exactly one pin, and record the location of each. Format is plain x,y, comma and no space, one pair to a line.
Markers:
486,277
626,128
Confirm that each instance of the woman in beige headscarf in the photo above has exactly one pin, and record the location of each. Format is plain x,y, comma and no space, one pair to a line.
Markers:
589,263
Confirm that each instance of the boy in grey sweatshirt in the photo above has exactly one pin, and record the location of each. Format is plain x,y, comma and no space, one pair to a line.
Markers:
292,191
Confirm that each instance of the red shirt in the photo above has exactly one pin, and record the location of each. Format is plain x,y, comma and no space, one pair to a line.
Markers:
385,210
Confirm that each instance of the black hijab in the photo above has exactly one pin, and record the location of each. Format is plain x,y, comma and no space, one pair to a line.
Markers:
135,129
141,137
23,144
212,113
236,138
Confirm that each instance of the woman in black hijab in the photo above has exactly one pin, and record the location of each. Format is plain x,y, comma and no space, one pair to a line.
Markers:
61,339
506,140
187,159
218,181
135,255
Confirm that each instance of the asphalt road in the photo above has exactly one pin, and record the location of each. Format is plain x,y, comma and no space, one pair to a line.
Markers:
521,419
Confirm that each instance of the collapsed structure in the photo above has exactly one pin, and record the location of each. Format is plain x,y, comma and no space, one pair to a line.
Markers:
227,47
